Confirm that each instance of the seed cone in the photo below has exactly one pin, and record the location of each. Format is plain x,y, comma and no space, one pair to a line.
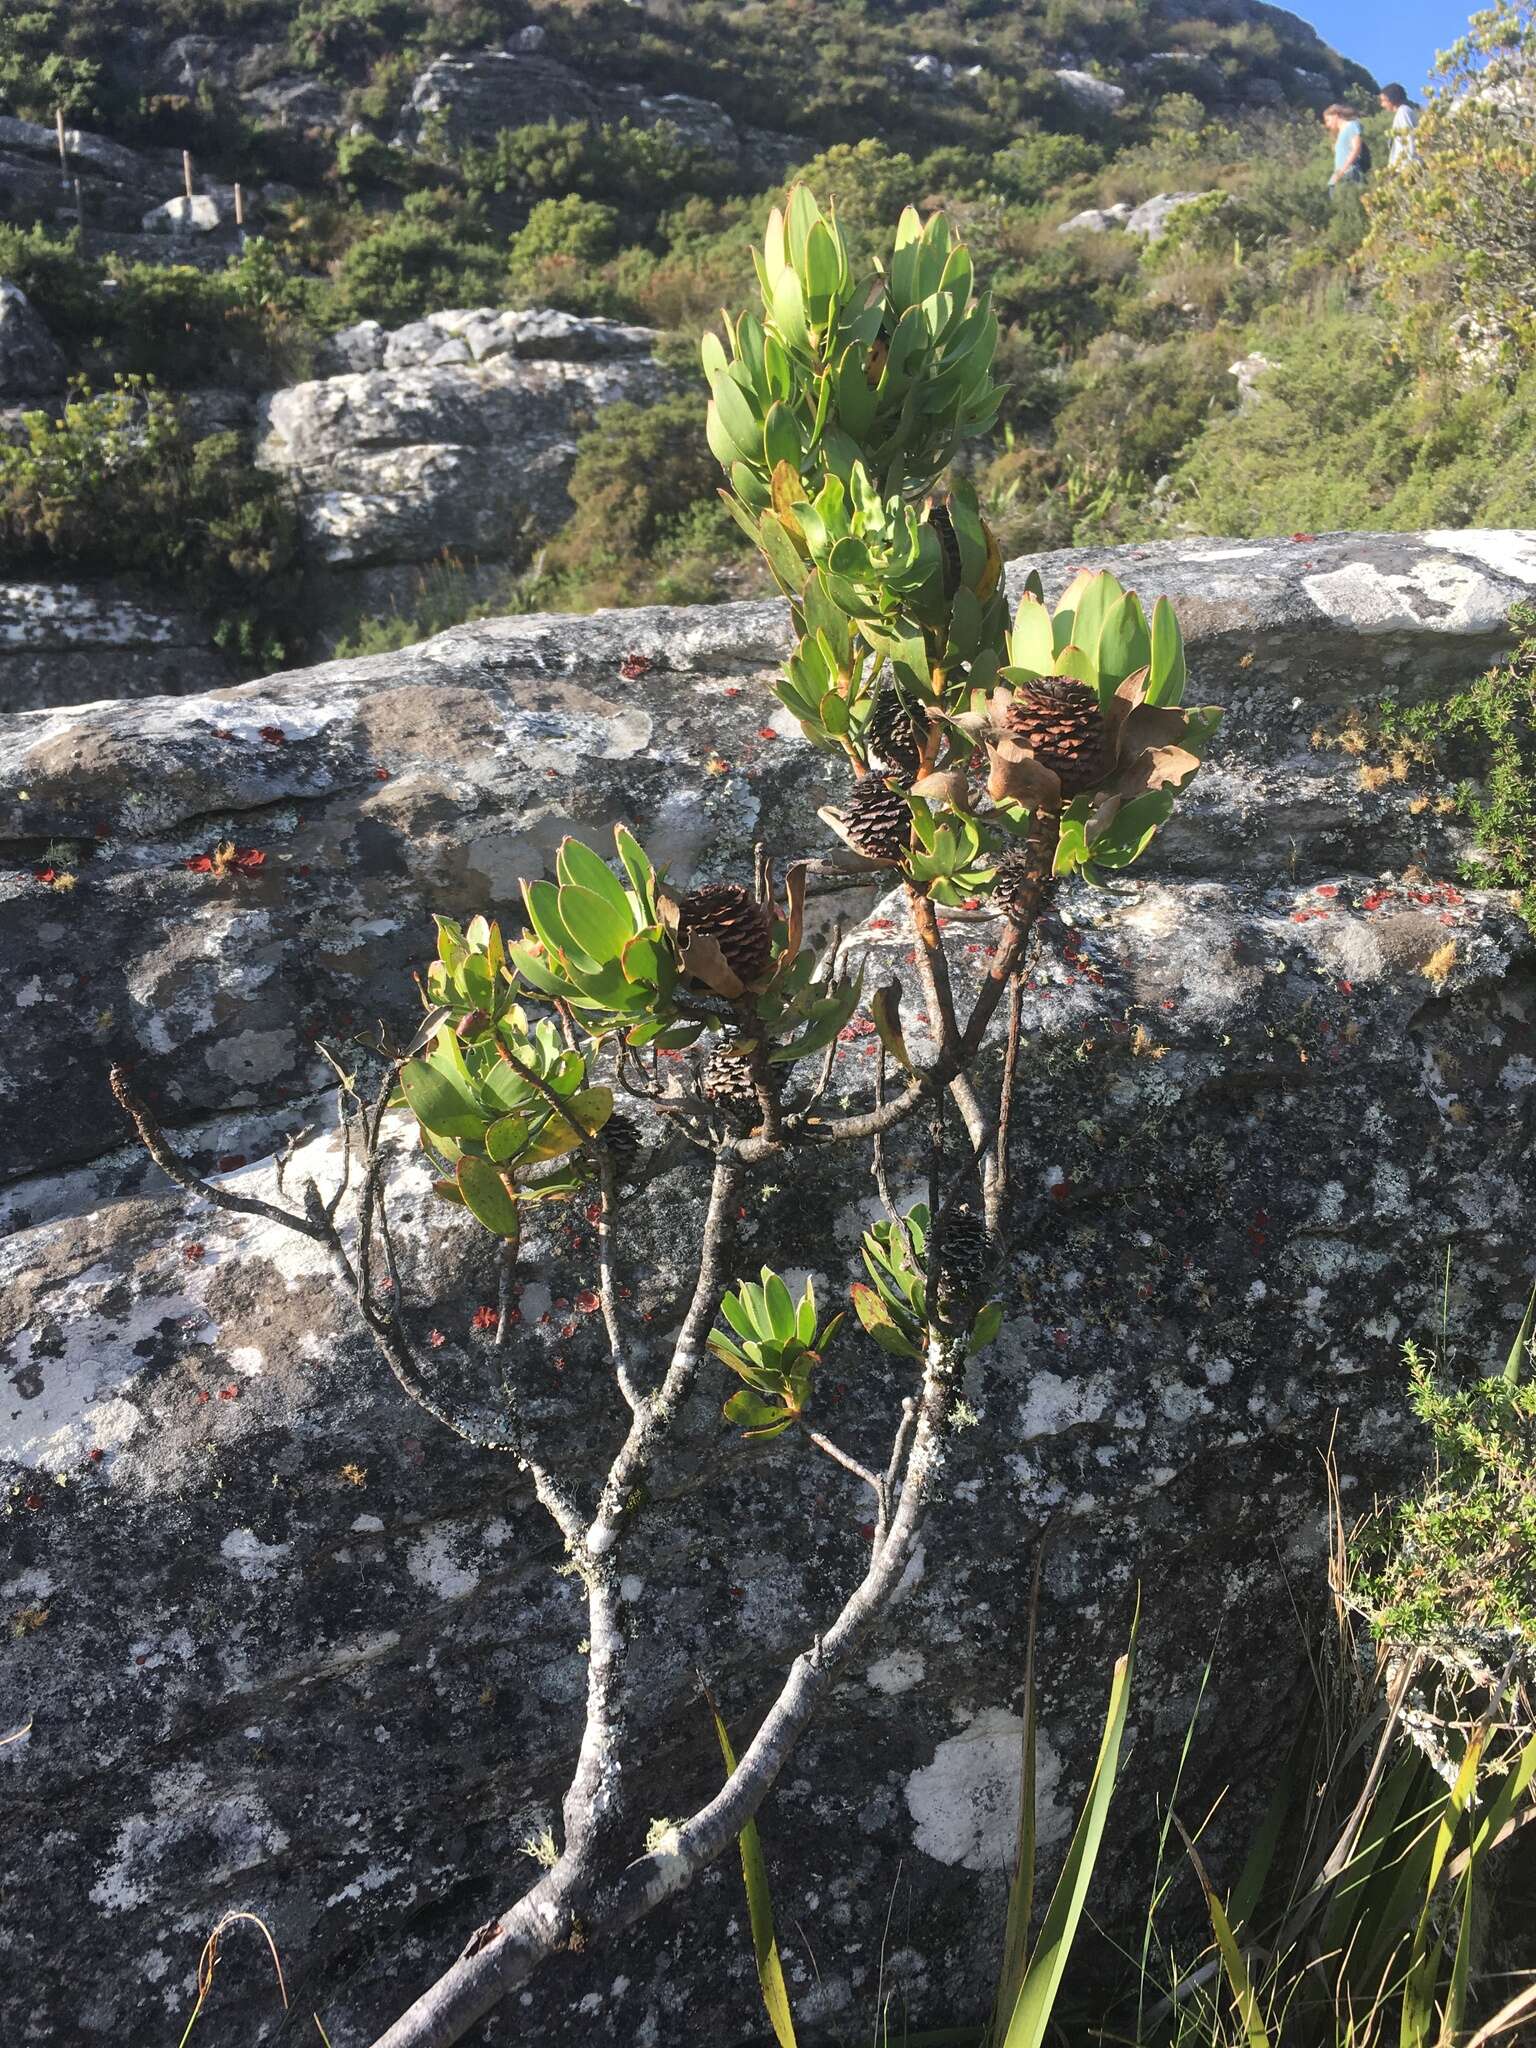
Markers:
725,1079
875,820
739,925
941,519
621,1134
1023,872
894,738
1060,721
963,1262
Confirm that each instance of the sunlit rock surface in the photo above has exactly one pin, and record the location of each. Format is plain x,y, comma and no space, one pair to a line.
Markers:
285,1645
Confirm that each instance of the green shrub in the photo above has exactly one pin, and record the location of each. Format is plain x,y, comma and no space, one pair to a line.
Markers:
119,483
1036,163
647,521
410,266
1135,410
580,229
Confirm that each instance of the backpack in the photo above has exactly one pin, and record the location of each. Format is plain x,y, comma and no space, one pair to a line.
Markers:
1363,160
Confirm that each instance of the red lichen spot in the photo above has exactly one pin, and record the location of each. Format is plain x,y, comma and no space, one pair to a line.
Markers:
588,1302
381,775
45,874
552,774
1303,536
274,736
202,1396
483,1319
766,732
1167,1003
1062,1339
222,733
103,831
436,1339
732,690
1374,900
867,1531
96,1455
1062,1191
231,1162
193,1252
1346,988
634,666
33,1502
1327,889
594,1212
229,1393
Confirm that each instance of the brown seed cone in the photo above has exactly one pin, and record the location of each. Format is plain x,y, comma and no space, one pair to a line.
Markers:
876,820
963,1260
1059,720
725,1079
1023,872
893,737
739,925
621,1134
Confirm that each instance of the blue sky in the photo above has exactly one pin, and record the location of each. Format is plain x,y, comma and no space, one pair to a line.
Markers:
1396,40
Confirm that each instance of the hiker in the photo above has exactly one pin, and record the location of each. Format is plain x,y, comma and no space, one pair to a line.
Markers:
1405,118
1351,157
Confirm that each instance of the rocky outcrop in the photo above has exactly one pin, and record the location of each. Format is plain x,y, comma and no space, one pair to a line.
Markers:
464,442
469,98
1096,220
287,1646
32,364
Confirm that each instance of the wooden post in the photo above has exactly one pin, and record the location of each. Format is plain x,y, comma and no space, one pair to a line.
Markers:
239,207
186,170
58,122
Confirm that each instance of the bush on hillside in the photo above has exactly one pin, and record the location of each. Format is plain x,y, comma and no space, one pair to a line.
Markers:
409,266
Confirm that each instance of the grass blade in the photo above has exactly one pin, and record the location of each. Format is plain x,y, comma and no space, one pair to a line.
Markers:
1232,1962
765,1948
1514,1369
1021,1887
1036,2002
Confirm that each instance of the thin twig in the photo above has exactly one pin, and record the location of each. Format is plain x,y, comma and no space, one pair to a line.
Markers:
170,1163
828,1449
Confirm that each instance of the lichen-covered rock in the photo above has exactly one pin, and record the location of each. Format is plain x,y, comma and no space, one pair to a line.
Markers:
1097,94
283,1644
465,440
1152,216
75,643
194,213
32,364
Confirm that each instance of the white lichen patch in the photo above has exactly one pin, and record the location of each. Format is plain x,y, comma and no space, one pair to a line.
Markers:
897,1672
230,1834
253,1559
965,1804
431,1563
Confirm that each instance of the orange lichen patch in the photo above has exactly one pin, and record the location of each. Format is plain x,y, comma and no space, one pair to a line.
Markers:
1437,968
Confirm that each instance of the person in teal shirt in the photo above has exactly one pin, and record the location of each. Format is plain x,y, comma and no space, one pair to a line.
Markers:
1350,161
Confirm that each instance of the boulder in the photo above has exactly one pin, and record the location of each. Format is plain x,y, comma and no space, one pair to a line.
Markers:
83,149
32,364
1151,217
464,440
197,215
74,643
1089,91
281,1644
1094,220
1248,370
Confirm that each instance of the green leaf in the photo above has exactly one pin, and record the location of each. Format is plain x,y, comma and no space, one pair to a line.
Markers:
779,1304
781,437
805,1317
986,1326
505,1138
1031,646
437,1105
875,1316
1031,2019
1520,1350
885,1009
486,1197
577,863
601,931
765,1949
1165,685
1125,644
637,865
739,422
757,1417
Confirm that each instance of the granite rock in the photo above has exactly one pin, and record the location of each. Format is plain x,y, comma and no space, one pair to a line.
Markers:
282,1644
1152,216
32,364
79,643
462,437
